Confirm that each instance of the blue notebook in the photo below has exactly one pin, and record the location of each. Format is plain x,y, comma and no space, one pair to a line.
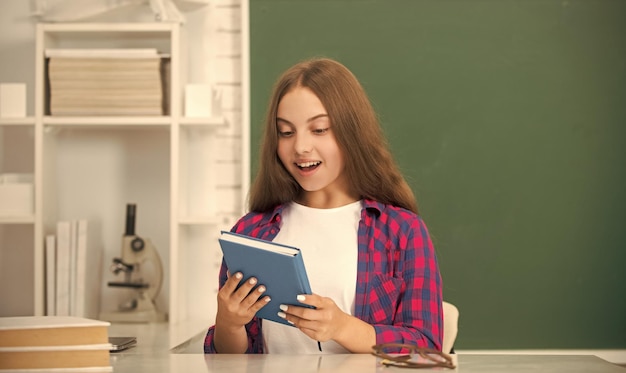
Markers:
278,267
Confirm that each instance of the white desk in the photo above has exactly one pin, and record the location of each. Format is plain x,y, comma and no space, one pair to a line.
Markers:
151,355
157,363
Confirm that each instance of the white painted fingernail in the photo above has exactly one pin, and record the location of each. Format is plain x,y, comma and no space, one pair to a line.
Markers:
267,299
282,315
238,275
301,298
283,307
261,289
252,281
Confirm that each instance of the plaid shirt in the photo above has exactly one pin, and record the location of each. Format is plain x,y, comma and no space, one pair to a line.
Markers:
398,288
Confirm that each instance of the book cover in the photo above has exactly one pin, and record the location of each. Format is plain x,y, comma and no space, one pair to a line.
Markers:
278,267
81,268
56,357
88,271
63,269
73,257
51,275
45,331
104,64
108,85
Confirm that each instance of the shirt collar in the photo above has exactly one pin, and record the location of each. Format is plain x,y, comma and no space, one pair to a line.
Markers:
373,206
276,214
368,204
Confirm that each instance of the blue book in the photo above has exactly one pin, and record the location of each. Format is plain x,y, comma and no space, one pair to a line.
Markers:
278,267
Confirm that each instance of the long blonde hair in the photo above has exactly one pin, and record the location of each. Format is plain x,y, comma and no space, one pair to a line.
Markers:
369,165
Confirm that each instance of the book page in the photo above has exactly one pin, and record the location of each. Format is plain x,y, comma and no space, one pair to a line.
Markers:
263,245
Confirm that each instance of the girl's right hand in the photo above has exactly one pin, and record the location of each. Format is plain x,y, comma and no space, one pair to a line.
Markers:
237,306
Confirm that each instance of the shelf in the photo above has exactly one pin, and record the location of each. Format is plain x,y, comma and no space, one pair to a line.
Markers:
99,122
24,219
169,162
107,28
204,122
25,121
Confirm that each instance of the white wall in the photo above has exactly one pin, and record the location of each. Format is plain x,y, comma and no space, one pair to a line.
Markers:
214,56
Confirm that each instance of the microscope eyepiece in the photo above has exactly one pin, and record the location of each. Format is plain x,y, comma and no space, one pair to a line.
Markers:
131,211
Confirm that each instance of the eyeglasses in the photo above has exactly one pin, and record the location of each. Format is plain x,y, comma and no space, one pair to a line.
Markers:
415,358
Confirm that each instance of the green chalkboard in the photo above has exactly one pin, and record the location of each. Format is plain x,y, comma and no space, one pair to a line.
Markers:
508,118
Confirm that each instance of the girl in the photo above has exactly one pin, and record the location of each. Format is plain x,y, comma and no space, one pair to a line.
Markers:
327,184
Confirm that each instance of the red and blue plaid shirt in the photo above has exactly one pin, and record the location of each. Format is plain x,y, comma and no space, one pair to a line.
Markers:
398,288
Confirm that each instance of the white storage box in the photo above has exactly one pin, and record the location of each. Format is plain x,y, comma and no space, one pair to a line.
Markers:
16,194
12,100
198,100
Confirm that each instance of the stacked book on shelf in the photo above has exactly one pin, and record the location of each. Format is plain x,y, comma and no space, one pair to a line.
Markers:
107,82
73,275
54,343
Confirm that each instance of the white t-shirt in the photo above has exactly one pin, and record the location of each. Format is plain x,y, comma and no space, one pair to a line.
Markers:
328,240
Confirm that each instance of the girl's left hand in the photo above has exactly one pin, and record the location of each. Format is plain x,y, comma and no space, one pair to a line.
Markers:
325,322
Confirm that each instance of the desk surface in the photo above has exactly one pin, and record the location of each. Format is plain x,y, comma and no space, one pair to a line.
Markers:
152,355
353,363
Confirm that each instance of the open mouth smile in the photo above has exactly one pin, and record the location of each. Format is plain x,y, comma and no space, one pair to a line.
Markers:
308,166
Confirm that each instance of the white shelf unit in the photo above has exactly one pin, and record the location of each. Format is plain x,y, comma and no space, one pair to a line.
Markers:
26,121
90,167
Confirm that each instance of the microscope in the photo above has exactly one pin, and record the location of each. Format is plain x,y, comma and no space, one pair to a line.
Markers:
137,253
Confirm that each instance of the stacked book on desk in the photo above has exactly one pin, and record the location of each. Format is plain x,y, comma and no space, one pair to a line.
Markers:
54,343
106,82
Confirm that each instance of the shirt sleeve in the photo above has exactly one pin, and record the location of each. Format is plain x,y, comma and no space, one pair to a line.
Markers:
416,315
